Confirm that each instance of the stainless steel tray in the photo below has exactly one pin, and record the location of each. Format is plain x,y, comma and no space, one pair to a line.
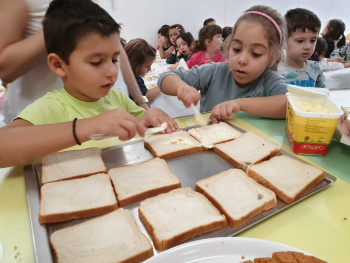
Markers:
188,168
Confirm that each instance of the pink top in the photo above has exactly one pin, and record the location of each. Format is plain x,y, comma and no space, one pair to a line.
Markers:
199,58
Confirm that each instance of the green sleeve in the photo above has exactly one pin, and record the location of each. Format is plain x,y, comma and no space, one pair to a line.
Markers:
131,106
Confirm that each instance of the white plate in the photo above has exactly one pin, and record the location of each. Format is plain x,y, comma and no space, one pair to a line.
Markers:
221,250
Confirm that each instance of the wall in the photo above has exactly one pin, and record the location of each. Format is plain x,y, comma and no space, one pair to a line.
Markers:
143,18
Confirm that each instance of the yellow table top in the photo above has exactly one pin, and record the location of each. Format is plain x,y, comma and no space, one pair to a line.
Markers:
319,225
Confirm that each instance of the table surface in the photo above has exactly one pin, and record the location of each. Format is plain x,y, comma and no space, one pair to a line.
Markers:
319,225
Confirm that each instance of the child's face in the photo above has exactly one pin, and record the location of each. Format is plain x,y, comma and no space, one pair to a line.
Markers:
173,33
182,47
215,43
301,45
145,67
92,69
248,53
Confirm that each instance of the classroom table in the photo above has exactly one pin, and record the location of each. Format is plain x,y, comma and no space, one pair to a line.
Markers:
337,79
319,225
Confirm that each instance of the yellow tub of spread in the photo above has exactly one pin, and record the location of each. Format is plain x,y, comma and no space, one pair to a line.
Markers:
311,120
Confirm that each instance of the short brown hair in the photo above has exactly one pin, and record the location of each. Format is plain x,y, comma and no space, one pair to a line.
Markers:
207,32
139,51
271,31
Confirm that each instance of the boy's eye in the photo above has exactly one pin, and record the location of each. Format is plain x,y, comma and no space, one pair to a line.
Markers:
256,55
115,61
299,41
95,63
313,40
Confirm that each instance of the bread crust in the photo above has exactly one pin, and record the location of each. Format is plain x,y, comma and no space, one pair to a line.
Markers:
75,177
161,245
234,222
257,177
172,154
243,166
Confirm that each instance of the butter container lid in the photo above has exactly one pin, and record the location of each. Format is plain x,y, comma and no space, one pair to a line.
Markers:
298,94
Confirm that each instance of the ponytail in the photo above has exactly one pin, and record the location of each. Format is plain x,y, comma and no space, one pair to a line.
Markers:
194,48
341,42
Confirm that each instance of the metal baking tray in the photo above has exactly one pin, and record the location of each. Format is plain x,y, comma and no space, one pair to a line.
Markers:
188,168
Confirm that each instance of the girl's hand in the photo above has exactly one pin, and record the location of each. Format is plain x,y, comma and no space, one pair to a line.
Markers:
155,117
173,52
173,67
224,110
117,122
336,60
208,61
178,53
346,64
161,41
188,95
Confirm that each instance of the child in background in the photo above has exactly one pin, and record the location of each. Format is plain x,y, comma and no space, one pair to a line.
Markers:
207,48
334,31
165,48
248,82
123,42
183,43
141,56
209,21
320,51
224,49
342,53
85,57
303,27
226,31
174,31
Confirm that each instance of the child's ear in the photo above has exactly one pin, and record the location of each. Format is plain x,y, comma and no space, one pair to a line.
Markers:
207,42
56,64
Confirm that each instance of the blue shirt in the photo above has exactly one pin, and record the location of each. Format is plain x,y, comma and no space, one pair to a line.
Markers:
142,86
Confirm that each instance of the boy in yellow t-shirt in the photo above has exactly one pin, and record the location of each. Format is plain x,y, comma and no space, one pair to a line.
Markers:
82,41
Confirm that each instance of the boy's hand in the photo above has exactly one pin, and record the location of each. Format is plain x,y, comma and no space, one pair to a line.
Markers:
155,117
224,110
188,95
117,122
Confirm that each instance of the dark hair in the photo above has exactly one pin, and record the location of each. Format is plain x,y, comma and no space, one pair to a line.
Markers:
271,32
179,27
123,42
320,49
138,52
300,18
207,21
336,28
67,21
187,37
226,31
207,32
164,31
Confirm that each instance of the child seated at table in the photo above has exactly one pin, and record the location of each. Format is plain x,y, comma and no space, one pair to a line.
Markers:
303,27
183,43
319,53
248,82
209,21
141,56
82,42
164,46
342,53
174,31
207,48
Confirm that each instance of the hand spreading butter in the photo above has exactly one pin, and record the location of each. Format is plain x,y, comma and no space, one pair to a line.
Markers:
310,107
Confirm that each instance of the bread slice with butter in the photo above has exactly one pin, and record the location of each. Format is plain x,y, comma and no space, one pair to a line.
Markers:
236,195
171,145
248,149
212,134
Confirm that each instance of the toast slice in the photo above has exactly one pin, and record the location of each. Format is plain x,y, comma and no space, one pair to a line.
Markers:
72,164
264,260
136,182
236,195
168,146
179,215
290,179
247,149
114,237
213,134
76,198
301,258
284,257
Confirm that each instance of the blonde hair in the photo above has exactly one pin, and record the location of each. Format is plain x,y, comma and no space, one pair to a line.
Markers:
138,52
272,34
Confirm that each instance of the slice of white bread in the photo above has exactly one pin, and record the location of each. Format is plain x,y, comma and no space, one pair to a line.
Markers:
77,198
114,237
236,195
168,146
290,179
72,164
136,182
179,215
247,149
213,134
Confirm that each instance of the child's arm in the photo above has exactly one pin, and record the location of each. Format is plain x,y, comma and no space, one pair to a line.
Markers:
171,59
153,93
22,142
164,54
269,107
